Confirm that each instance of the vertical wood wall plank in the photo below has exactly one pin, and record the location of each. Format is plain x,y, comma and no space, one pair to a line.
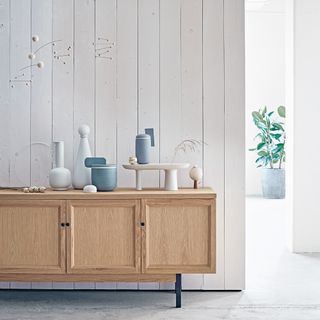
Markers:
148,68
191,81
170,79
235,145
62,77
4,93
127,93
20,46
84,75
213,125
191,97
126,87
105,90
41,108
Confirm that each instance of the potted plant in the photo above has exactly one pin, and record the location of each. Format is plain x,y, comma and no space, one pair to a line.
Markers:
271,150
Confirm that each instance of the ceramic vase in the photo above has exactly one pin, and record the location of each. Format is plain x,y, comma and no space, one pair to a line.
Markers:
59,177
81,174
143,145
144,142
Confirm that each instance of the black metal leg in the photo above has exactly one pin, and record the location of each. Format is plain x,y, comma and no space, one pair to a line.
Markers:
178,290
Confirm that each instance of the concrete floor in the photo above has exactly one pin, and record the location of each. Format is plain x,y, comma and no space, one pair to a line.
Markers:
280,285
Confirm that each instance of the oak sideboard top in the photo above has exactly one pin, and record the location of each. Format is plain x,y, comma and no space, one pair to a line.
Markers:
125,193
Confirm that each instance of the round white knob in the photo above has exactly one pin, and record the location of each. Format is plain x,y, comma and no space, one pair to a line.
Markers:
84,131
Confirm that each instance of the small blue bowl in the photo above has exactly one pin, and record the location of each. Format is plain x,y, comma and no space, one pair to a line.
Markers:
104,177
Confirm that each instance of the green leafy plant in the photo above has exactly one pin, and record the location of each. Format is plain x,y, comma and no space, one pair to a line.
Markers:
271,138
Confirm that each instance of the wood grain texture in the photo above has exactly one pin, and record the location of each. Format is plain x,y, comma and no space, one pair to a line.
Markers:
31,238
178,236
63,280
104,237
125,193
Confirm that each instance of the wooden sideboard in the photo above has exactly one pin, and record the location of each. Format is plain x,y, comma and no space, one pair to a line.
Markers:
125,235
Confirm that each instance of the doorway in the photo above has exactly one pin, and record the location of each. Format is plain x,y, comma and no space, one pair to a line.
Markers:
274,273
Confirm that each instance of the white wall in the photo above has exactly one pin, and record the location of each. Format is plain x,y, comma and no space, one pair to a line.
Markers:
265,72
174,65
304,126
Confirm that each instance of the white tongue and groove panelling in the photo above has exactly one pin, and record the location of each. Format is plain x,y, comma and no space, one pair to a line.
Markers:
121,66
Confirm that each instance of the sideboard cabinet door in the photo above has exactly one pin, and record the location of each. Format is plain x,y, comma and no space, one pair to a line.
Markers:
31,237
178,236
104,237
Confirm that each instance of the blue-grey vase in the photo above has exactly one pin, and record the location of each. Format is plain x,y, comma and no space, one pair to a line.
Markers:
143,146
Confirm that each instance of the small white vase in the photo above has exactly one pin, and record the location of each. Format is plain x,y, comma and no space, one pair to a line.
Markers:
59,177
82,174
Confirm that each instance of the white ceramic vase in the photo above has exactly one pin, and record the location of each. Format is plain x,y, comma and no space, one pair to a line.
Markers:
59,177
82,174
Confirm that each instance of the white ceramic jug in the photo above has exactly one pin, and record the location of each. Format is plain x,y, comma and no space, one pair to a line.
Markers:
81,174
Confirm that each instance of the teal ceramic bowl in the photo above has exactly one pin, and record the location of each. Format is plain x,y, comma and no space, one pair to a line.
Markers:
104,177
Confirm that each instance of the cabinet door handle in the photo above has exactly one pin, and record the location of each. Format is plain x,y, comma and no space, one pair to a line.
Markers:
62,224
67,224
142,224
